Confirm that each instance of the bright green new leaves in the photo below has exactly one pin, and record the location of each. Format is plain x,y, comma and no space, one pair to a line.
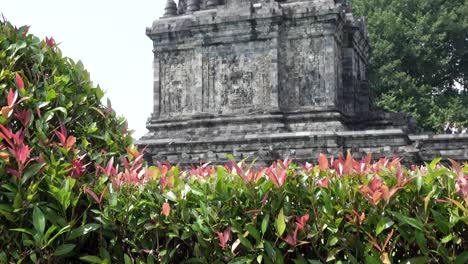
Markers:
383,224
280,223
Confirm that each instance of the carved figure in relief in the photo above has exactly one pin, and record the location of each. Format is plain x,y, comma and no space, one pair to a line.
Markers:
239,90
175,86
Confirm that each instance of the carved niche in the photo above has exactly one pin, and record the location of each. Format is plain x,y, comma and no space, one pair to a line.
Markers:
177,83
303,73
236,82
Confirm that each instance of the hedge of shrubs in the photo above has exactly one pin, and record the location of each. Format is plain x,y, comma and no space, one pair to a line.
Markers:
73,189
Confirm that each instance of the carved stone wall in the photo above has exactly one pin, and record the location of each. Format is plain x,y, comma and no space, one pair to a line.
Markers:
177,73
236,78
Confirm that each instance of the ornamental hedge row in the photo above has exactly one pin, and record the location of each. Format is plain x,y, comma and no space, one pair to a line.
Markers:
73,189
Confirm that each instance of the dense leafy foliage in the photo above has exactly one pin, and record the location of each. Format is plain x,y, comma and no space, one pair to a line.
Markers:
338,210
420,53
72,189
53,130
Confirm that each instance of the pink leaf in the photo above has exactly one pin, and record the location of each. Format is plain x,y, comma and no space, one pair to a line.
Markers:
308,167
375,184
19,81
50,42
224,237
71,140
348,165
166,209
95,197
301,224
291,240
109,167
323,183
323,162
12,96
24,117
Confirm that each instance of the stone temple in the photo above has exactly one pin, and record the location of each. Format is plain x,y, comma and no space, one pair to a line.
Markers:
272,79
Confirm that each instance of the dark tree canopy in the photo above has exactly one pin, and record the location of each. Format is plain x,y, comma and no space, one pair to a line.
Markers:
419,63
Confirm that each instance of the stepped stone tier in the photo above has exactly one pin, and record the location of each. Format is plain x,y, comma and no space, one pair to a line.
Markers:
271,79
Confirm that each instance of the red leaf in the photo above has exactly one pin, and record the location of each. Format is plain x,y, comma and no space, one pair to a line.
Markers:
399,174
323,183
71,140
166,209
338,166
24,117
301,224
388,239
291,240
348,165
308,167
109,167
6,111
12,96
50,42
6,134
19,81
375,184
102,195
277,178
456,167
224,237
95,197
323,162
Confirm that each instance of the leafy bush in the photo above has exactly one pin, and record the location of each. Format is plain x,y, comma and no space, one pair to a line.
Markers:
53,132
73,190
337,210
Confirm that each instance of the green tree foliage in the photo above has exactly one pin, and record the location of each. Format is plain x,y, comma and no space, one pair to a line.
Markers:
420,56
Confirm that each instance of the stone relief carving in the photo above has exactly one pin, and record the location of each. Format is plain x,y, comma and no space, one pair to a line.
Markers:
177,83
236,82
303,78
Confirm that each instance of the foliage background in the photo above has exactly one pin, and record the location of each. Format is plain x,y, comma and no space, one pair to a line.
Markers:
420,53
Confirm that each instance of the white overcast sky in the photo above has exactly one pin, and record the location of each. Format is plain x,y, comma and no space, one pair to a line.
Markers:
108,36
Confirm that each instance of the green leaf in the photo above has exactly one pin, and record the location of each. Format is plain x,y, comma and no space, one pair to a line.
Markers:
383,224
18,203
265,222
83,230
372,260
462,258
332,241
31,171
269,250
38,220
61,231
245,242
127,259
23,230
434,163
447,239
421,241
113,199
64,249
253,232
280,223
91,259
408,220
